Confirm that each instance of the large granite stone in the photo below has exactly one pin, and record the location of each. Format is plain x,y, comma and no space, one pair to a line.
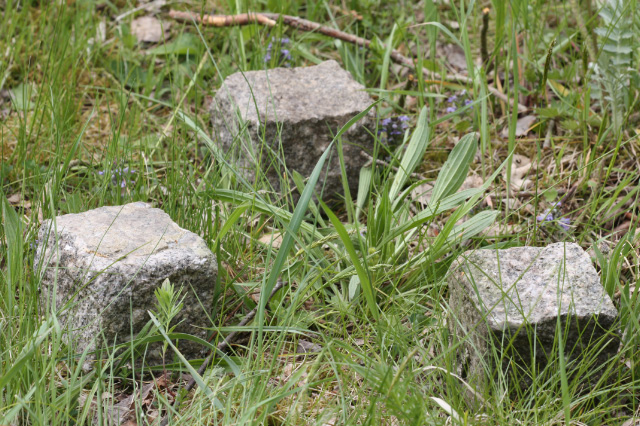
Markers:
108,262
296,111
511,300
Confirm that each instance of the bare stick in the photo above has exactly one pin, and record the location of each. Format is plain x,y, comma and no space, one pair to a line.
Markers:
306,25
222,346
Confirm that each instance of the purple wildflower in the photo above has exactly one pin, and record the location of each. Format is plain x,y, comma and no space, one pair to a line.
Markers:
451,109
564,223
551,214
547,216
392,127
452,99
120,176
282,55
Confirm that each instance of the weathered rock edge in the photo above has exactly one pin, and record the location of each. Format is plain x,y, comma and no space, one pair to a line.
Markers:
297,111
502,296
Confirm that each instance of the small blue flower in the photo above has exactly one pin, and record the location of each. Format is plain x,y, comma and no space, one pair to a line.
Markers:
547,216
285,40
451,109
34,244
452,99
392,127
120,176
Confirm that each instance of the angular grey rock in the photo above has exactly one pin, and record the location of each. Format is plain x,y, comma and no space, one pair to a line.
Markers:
515,296
296,111
109,261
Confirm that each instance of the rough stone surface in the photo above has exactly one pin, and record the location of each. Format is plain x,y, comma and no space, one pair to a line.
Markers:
297,111
517,294
110,261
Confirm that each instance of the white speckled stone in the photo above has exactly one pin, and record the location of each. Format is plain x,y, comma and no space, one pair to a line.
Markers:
110,261
297,111
519,293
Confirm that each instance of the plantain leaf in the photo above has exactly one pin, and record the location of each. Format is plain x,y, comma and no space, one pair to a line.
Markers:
455,169
413,154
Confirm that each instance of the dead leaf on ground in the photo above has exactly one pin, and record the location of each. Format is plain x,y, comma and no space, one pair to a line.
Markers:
421,194
123,412
148,29
520,166
453,55
305,346
274,240
472,181
14,199
522,126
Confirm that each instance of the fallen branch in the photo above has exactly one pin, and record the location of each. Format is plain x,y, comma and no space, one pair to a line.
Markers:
270,19
222,346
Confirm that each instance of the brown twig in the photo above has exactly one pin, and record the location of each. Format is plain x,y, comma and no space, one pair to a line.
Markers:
306,25
224,345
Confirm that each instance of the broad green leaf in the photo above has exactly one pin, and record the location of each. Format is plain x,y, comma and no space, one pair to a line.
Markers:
459,233
455,169
364,184
184,44
354,287
453,200
21,96
413,154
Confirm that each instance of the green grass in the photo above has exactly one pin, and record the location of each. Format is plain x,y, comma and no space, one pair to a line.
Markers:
79,96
